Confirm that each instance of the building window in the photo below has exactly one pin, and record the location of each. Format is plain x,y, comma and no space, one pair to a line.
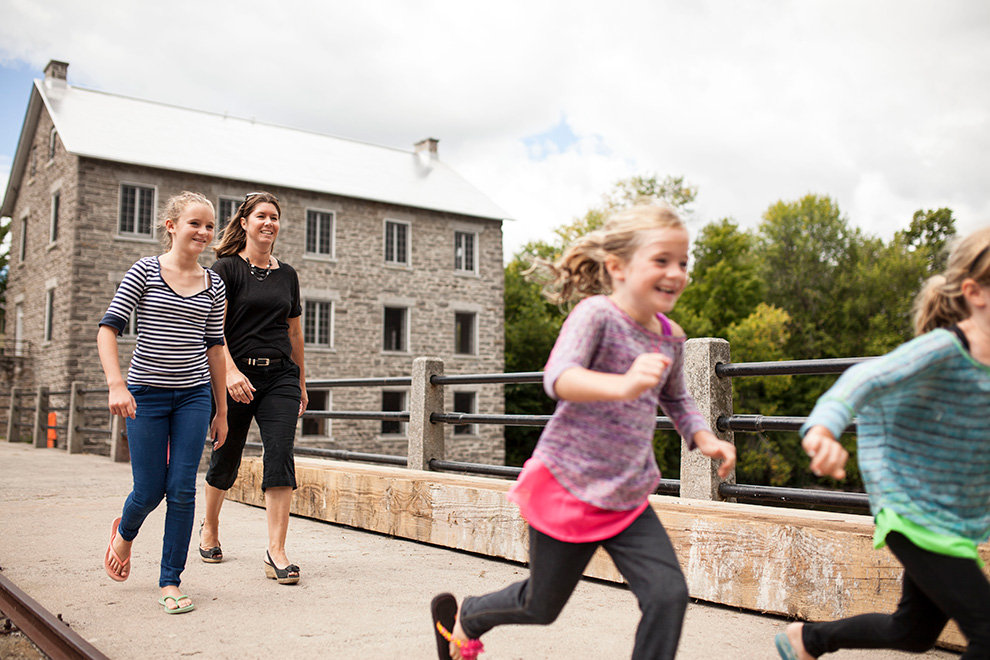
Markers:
51,144
318,323
318,400
226,208
131,329
393,401
24,233
53,231
137,211
396,243
34,161
464,333
464,402
20,346
319,232
464,251
395,328
49,311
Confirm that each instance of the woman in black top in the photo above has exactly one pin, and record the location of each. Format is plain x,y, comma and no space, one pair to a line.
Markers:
266,379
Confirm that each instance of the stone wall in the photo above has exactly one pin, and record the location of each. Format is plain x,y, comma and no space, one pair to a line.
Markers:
46,265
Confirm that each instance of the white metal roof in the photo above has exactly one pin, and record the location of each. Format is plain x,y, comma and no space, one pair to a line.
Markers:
116,128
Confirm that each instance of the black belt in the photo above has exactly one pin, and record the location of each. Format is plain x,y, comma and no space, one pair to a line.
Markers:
264,361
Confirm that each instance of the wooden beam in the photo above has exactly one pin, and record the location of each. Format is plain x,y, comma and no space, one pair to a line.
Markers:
809,565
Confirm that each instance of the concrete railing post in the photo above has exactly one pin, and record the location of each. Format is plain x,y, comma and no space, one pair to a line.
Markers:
699,474
13,435
425,437
41,417
73,439
119,452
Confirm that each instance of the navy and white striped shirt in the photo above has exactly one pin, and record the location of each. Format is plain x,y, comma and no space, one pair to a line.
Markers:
173,331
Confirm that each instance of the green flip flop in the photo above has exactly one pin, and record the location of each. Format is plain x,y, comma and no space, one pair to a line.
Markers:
175,599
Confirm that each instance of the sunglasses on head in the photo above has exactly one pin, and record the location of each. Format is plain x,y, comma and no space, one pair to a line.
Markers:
979,258
250,195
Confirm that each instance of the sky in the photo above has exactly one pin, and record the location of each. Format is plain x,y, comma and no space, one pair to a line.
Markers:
882,105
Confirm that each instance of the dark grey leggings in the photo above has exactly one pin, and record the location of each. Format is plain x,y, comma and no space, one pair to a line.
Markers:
642,553
936,588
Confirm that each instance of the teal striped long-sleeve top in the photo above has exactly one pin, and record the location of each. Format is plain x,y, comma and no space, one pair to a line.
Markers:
924,433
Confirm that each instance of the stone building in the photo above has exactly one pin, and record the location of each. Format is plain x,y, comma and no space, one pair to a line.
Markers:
397,255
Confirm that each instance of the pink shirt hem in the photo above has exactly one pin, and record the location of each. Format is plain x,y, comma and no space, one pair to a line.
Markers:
553,510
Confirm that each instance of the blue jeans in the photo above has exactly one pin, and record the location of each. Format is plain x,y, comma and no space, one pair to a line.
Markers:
166,440
642,553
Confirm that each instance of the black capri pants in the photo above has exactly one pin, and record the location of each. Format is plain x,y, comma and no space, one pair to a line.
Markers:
276,409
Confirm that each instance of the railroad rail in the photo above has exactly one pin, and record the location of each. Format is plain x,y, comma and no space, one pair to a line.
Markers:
50,634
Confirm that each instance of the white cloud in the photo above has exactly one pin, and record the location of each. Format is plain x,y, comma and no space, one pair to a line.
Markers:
880,104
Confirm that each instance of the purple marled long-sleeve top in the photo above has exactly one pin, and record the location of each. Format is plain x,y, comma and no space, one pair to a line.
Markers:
602,451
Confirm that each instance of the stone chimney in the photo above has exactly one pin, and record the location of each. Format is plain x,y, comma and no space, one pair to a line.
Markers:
427,147
56,73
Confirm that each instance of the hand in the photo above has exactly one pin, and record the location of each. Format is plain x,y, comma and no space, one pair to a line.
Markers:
714,447
218,430
303,401
239,387
645,372
121,402
828,457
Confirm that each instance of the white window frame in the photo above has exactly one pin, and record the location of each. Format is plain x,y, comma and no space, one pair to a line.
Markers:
390,236
474,332
403,406
458,251
141,190
52,144
465,429
223,219
406,322
53,225
330,322
19,328
332,254
325,421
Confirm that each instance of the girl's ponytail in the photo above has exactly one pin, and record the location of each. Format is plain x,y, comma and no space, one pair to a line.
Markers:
579,272
936,306
940,302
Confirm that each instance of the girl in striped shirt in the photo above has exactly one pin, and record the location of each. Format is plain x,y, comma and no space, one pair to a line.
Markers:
616,359
924,452
176,367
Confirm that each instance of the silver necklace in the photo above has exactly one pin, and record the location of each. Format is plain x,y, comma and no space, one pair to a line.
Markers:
260,273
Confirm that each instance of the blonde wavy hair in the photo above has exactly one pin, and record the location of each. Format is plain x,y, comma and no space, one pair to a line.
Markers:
580,271
940,302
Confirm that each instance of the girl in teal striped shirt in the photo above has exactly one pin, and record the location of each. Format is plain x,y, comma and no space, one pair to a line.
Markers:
924,452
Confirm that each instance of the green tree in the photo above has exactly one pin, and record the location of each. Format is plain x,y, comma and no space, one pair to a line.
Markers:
642,189
929,235
531,327
725,283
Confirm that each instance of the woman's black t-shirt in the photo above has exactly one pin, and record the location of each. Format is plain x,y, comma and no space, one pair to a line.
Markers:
258,312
